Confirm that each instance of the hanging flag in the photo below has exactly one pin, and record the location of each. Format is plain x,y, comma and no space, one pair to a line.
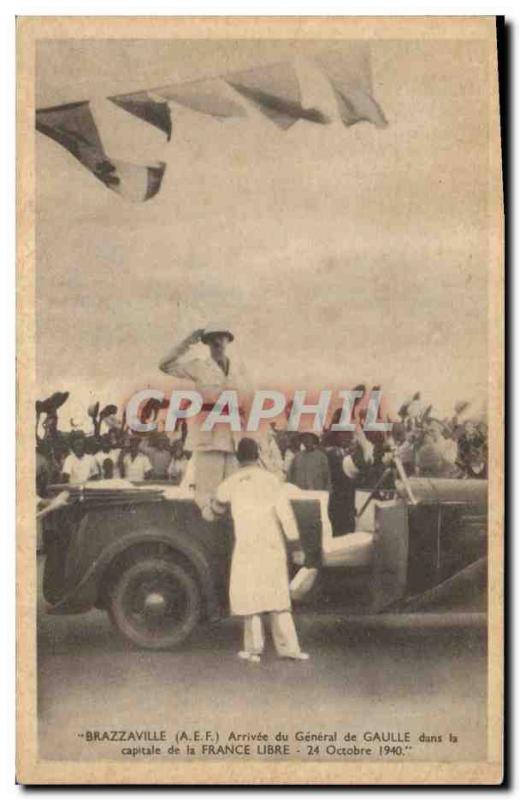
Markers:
137,183
349,75
73,126
144,106
275,91
207,97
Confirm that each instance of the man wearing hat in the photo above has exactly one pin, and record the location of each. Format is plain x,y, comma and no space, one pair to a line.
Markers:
213,450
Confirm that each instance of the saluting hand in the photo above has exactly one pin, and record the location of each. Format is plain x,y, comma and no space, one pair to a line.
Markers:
195,336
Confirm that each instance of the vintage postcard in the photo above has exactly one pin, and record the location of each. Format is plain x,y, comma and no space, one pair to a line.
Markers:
260,401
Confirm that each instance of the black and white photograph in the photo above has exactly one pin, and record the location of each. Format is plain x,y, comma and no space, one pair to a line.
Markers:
260,400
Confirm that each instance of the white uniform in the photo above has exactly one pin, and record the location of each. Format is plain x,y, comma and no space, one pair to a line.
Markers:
259,579
215,448
210,381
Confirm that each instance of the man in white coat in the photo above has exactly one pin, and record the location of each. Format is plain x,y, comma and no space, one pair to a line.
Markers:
259,581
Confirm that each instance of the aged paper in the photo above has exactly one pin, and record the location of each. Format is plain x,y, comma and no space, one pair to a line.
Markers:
260,401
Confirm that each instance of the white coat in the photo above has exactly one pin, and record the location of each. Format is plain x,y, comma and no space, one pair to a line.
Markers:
259,579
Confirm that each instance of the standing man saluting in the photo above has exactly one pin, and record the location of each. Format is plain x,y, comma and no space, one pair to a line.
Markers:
213,450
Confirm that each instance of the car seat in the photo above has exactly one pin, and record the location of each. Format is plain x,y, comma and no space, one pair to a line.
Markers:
351,550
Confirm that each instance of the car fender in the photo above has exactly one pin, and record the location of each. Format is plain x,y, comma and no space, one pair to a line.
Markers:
88,591
463,592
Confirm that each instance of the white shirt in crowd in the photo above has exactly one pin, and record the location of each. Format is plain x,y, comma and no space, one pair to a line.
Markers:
136,469
81,469
113,455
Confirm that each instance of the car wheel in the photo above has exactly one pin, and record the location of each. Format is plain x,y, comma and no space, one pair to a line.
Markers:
155,603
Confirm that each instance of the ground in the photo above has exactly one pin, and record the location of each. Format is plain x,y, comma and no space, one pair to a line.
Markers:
421,675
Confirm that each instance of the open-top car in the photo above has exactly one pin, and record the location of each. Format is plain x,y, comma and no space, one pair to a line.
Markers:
145,555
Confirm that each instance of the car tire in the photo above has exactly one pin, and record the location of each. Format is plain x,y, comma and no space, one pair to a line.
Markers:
155,603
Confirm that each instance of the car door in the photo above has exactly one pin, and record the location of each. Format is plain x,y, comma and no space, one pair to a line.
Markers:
390,561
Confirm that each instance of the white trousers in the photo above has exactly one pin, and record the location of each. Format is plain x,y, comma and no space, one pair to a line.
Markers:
211,467
283,632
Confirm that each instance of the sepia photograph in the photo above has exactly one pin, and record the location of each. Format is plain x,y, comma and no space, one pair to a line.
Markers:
260,400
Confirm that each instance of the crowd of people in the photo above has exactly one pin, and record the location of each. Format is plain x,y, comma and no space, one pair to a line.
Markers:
76,456
243,475
234,472
334,461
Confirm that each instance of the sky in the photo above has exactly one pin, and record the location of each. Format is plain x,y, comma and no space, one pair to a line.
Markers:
337,256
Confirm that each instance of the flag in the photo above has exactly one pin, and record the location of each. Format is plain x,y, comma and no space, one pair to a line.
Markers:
147,108
207,97
275,91
135,182
349,75
73,126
